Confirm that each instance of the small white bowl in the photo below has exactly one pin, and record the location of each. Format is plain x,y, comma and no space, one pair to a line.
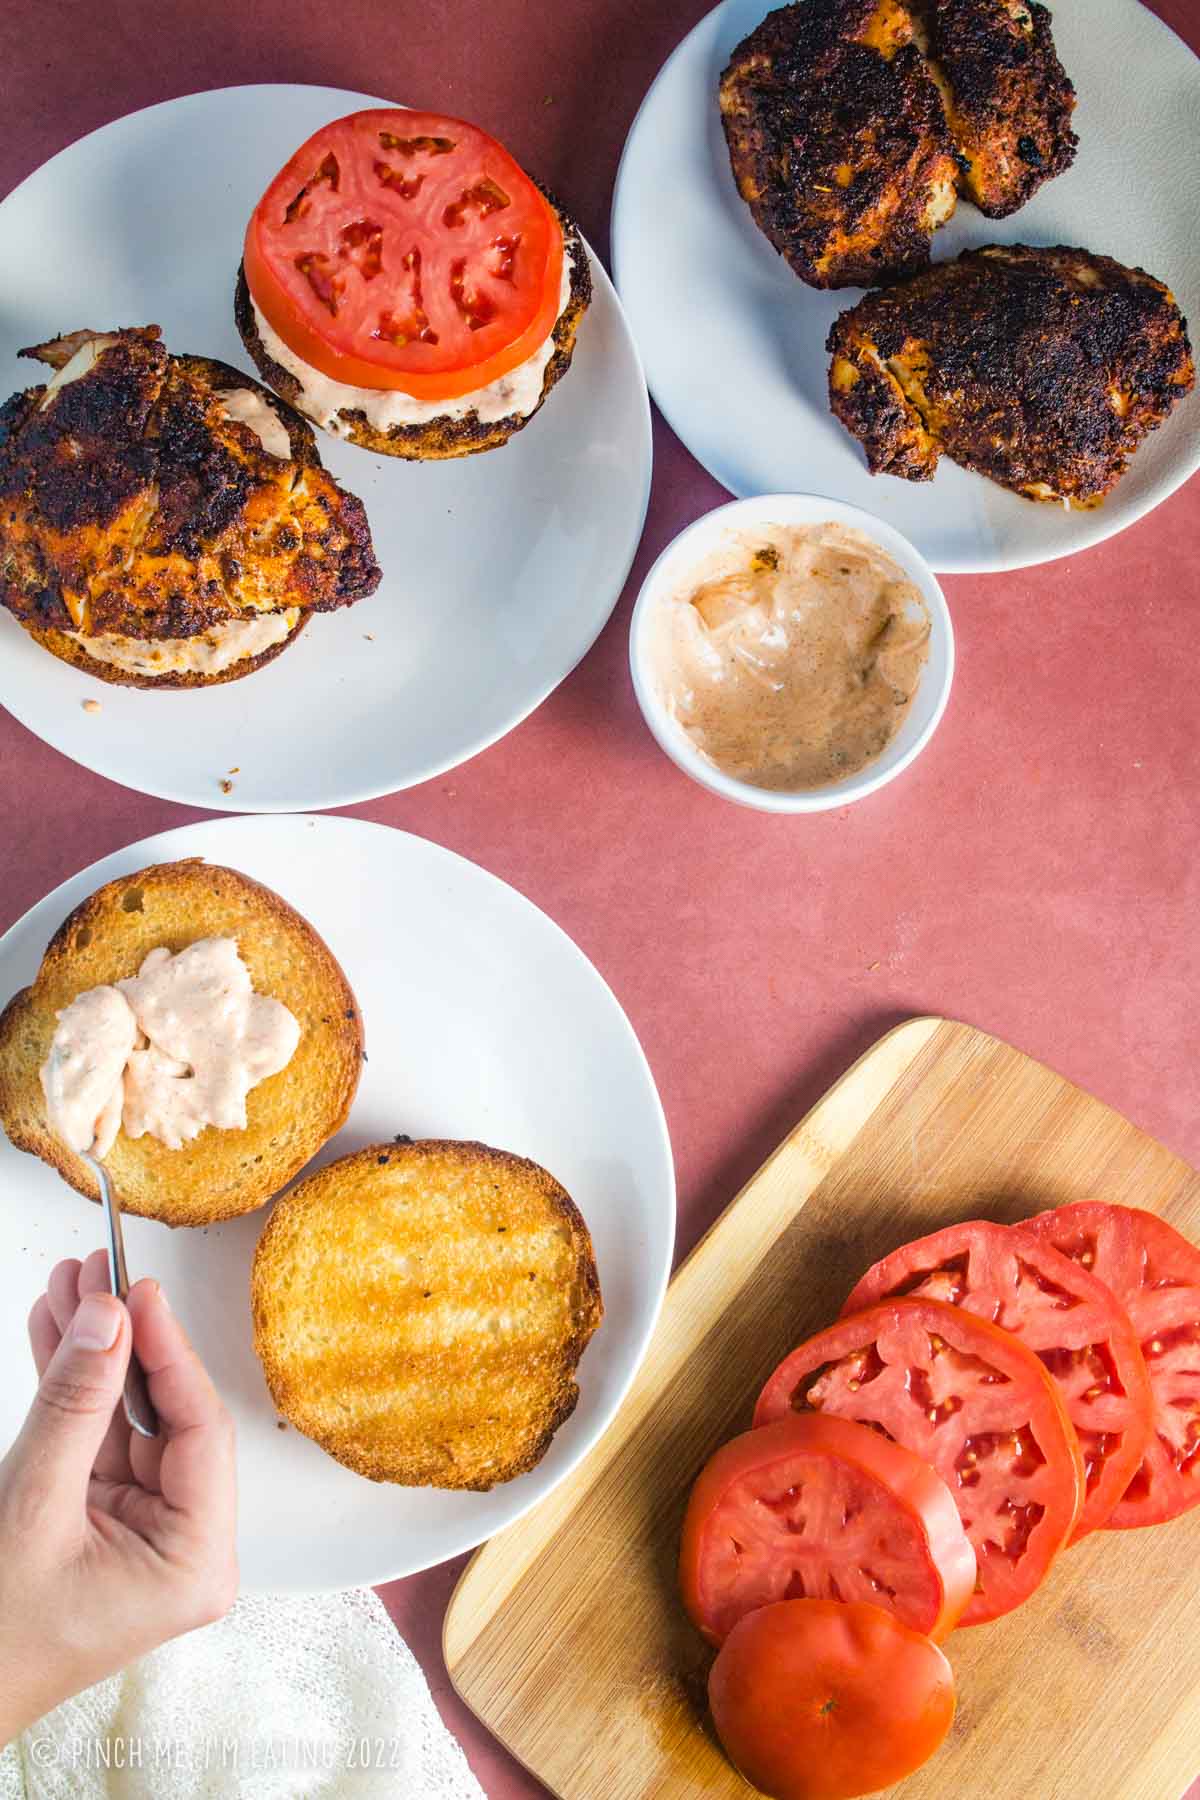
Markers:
672,572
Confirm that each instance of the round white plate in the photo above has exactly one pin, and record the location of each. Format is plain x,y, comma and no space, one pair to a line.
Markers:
499,570
482,1020
734,344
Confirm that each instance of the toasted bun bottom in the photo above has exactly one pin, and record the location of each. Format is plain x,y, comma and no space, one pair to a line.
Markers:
420,1310
220,1173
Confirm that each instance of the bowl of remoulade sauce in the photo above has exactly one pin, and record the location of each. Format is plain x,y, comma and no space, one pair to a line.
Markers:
791,653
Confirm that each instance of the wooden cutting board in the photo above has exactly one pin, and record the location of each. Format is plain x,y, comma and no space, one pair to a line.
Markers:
565,1634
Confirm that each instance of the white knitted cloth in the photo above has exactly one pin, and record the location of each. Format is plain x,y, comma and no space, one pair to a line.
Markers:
284,1699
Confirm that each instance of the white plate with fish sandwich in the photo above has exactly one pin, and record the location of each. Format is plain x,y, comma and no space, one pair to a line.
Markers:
499,570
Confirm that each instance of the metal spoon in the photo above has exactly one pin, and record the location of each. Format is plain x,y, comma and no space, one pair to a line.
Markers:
139,1409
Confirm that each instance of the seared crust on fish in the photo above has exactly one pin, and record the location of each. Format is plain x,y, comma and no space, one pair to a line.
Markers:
838,141
852,126
1043,369
132,505
1008,99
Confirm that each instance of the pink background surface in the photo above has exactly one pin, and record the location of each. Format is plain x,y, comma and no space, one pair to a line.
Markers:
1036,873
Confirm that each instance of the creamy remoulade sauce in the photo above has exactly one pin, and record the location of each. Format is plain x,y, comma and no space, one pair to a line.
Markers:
324,400
791,656
174,1048
249,408
210,652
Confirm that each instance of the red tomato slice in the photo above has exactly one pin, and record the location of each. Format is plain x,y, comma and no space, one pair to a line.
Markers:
1155,1273
1074,1323
814,1700
406,250
822,1508
977,1405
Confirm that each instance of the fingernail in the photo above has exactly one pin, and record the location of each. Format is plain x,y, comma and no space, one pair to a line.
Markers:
162,1298
97,1323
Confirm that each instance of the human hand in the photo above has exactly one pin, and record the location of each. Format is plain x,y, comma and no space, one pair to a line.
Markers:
110,1542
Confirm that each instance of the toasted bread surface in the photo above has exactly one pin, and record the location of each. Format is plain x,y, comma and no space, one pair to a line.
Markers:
420,1310
448,435
220,1173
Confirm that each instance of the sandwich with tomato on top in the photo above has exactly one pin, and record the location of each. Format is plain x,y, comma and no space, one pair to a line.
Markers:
408,287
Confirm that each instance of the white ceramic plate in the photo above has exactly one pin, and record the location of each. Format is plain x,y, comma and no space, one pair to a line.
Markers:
499,570
482,1020
733,342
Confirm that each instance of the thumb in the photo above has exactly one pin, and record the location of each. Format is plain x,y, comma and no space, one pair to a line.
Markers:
78,1392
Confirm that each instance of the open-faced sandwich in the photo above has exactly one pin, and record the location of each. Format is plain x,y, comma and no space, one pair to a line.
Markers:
164,520
189,1028
408,287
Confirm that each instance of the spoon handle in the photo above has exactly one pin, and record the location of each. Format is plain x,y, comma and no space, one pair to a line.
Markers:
139,1408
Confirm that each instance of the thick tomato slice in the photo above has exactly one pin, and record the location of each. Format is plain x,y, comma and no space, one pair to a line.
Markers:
1155,1273
1076,1325
977,1405
406,250
814,1700
821,1508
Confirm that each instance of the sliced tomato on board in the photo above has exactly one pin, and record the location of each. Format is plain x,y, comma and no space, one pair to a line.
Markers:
814,1700
976,1405
1074,1322
406,250
821,1508
1155,1273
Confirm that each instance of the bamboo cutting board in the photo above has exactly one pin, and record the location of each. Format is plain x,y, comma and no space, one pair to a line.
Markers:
565,1634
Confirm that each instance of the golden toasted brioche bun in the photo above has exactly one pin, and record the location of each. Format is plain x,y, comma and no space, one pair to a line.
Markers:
420,1310
220,1173
447,435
